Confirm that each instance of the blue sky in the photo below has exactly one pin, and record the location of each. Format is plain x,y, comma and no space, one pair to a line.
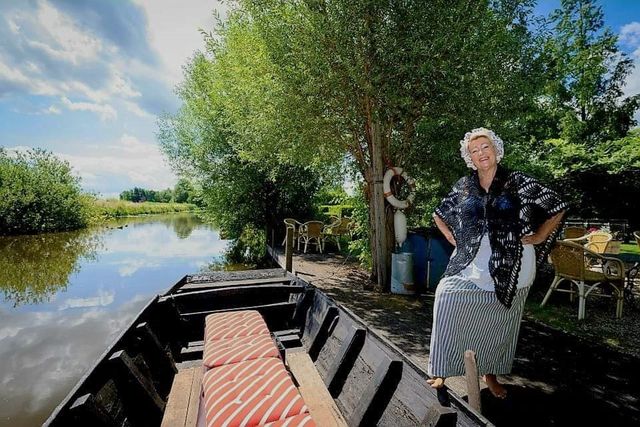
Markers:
86,79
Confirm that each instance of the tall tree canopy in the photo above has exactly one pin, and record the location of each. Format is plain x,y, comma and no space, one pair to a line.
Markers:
586,76
395,82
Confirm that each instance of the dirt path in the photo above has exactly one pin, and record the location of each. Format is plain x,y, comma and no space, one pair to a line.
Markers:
557,379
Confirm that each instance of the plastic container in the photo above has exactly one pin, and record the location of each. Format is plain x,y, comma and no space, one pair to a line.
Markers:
402,273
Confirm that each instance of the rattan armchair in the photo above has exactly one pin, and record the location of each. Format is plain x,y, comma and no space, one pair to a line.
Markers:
311,231
294,225
574,232
338,228
596,241
574,264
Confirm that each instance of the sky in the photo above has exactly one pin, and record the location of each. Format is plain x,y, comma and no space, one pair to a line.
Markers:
87,79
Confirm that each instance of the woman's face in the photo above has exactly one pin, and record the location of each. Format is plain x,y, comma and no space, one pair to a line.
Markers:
483,153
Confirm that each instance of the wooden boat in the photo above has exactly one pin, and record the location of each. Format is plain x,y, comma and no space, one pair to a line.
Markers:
328,349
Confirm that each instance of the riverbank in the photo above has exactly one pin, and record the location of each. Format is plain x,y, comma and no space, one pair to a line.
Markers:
552,367
112,208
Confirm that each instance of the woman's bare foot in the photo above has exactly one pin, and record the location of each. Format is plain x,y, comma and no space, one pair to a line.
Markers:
436,382
495,387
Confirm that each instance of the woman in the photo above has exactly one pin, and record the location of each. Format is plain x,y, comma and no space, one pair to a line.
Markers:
493,217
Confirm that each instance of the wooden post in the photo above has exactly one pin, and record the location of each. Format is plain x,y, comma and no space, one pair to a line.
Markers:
288,250
473,383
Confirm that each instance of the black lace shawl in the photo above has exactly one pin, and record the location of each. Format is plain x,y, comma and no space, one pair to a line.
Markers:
516,205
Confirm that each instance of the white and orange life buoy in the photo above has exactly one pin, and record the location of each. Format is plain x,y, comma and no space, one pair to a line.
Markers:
388,194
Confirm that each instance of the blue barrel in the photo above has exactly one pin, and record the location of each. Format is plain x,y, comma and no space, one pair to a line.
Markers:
431,252
437,260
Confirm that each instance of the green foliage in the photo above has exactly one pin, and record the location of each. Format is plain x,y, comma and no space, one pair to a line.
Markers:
183,192
603,181
108,209
249,247
360,246
139,195
39,193
34,268
586,73
229,140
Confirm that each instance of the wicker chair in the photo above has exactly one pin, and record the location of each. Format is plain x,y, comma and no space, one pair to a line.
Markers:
596,241
573,263
294,225
338,228
310,231
574,232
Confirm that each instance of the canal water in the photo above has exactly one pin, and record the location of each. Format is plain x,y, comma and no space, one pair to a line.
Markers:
66,296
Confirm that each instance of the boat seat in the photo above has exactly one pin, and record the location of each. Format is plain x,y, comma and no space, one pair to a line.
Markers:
225,351
252,393
302,420
234,324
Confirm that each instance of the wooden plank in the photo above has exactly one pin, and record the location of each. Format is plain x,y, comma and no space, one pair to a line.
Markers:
322,408
85,410
219,292
377,394
160,360
320,338
440,416
344,360
266,307
138,387
194,400
184,399
227,283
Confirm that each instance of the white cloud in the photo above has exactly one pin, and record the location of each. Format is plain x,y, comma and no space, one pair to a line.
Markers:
65,40
630,34
103,299
134,108
106,112
52,110
175,44
140,162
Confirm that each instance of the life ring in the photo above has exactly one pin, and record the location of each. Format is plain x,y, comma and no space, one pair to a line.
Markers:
388,194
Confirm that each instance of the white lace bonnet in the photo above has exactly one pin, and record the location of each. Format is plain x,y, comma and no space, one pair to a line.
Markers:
475,133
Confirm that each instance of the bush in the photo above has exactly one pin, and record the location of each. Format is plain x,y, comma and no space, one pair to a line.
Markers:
39,193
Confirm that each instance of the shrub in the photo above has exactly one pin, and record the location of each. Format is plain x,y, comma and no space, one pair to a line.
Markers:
39,193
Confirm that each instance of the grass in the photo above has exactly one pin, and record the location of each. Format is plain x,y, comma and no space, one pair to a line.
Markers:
630,248
108,209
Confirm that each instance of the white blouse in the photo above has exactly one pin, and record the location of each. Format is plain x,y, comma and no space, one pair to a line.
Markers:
478,270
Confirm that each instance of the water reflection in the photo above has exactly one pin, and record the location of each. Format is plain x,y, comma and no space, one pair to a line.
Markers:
68,295
34,268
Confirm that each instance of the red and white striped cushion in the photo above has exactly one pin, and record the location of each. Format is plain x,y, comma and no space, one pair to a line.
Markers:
302,420
234,324
231,350
250,393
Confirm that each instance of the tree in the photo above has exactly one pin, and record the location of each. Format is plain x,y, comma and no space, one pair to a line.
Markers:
182,191
586,75
228,112
391,82
39,193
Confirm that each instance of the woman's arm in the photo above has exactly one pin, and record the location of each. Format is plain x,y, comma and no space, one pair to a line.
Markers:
444,229
544,230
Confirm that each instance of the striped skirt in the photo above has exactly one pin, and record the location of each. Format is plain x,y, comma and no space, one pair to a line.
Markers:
466,317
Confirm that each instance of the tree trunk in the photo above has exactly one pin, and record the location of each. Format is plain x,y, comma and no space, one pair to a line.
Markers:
380,248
